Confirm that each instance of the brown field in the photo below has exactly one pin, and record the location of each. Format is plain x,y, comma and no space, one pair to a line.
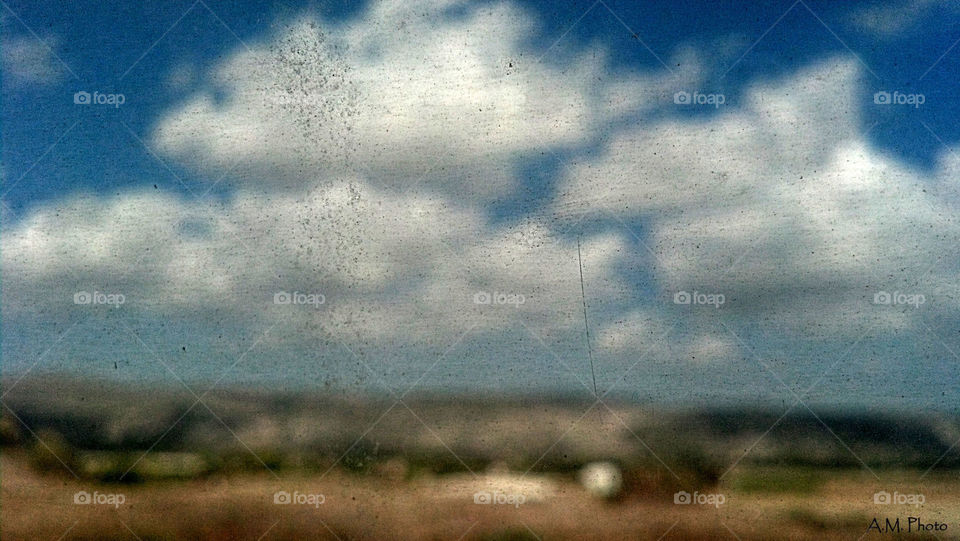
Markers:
383,505
411,471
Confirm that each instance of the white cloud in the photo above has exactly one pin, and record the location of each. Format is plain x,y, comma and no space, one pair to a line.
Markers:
687,164
779,205
886,21
165,251
645,332
28,61
405,92
394,269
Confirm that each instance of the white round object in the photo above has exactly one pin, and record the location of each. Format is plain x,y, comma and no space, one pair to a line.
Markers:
602,479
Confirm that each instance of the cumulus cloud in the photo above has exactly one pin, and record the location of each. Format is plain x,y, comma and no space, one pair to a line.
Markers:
168,251
28,61
406,92
394,270
368,153
689,164
780,205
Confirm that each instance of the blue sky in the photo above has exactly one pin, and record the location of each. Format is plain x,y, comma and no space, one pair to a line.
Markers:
400,158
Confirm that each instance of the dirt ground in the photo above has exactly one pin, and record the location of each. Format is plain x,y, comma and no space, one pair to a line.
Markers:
840,505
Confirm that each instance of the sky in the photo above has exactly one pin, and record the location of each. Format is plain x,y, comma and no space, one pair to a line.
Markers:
391,197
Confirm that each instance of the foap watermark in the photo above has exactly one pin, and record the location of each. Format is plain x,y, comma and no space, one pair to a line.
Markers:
685,498
898,298
98,98
283,497
284,298
708,299
498,297
685,98
885,498
883,97
98,498
498,498
99,297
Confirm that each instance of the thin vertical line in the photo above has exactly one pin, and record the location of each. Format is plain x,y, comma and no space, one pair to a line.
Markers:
583,298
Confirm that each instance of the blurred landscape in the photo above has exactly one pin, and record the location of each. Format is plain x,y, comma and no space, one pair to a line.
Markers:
157,464
641,271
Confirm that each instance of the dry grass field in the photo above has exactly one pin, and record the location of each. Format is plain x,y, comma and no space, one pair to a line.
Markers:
826,505
82,461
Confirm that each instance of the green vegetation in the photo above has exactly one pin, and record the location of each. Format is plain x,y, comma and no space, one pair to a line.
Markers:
774,480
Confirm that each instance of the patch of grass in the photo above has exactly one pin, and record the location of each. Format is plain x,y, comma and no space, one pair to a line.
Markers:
509,534
360,457
440,462
50,452
823,521
779,481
